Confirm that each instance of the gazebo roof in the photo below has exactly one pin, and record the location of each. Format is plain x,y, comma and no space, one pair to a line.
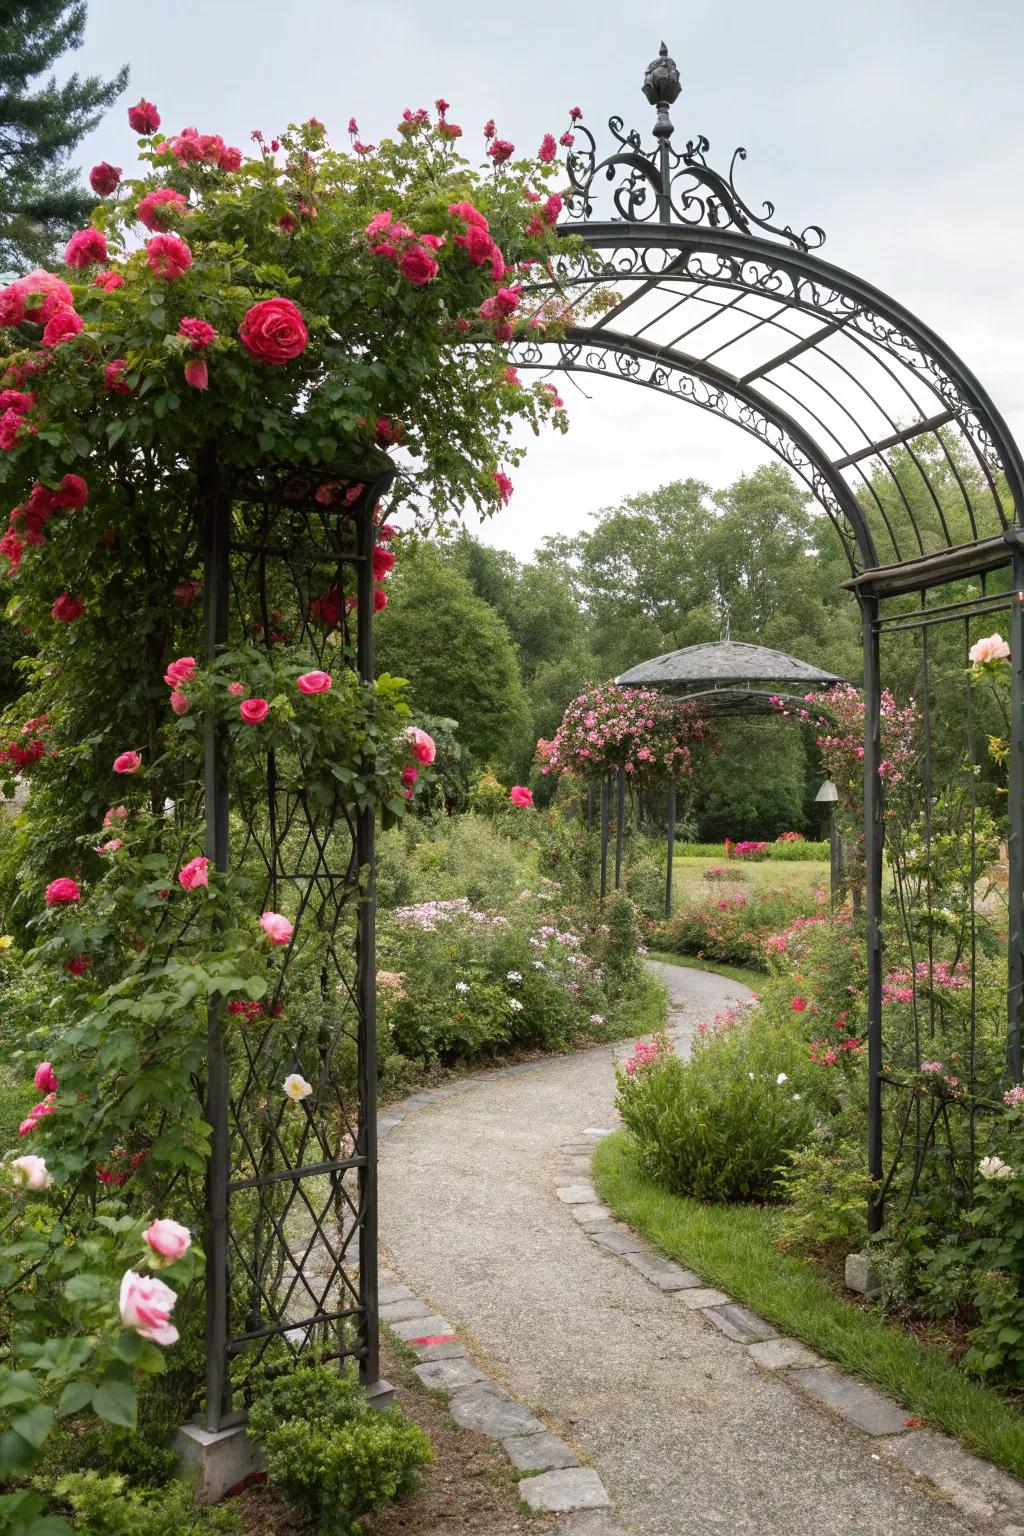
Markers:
725,674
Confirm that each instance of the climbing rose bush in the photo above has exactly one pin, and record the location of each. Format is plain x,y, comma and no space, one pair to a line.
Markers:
644,732
304,307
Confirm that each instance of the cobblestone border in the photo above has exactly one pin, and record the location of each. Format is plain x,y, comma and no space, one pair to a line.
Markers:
975,1487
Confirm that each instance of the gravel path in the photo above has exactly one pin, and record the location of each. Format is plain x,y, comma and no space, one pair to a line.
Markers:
689,1435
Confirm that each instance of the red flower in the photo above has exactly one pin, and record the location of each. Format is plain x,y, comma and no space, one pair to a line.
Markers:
500,150
798,1005
548,149
274,331
417,264
383,561
78,965
380,599
253,711
62,892
113,377
504,485
169,257
67,608
520,796
108,280
73,492
144,117
105,178
158,209
85,248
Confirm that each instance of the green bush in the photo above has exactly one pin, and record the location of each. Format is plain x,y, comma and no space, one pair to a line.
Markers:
331,1454
721,1125
781,853
105,1505
733,928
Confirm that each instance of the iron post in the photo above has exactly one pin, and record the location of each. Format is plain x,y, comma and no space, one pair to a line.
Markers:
620,819
1015,819
873,856
671,845
604,837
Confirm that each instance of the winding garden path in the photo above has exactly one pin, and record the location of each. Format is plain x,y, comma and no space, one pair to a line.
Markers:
689,1434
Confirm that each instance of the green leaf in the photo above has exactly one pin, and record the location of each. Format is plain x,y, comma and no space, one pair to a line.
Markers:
115,1401
17,1387
76,1396
35,1425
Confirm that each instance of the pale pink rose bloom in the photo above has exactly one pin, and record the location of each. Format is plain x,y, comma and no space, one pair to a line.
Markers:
296,1088
127,762
194,873
169,1239
992,648
277,928
314,682
31,1172
423,748
180,702
236,688
146,1305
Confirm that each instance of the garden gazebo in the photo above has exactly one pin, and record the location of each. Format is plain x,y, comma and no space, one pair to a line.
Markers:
726,679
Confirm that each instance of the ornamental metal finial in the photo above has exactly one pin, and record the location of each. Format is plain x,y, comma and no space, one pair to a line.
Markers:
662,86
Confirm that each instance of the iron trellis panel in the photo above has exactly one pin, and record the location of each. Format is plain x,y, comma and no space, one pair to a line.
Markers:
292,1188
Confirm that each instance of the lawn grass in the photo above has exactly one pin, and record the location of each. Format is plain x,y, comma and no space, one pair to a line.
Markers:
731,1246
801,876
752,979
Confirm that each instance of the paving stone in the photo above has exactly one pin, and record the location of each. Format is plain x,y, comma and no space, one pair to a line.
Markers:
421,1327
590,1522
451,1349
739,1324
577,1194
448,1375
781,1354
389,1294
538,1453
861,1276
572,1170
599,1131
569,1489
855,1402
487,1409
976,1487
663,1272
401,1311
583,1213
617,1242
702,1296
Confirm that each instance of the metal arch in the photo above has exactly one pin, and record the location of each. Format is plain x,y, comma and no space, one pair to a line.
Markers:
813,285
532,356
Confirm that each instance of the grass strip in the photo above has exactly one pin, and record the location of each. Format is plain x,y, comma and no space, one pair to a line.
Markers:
752,979
730,1246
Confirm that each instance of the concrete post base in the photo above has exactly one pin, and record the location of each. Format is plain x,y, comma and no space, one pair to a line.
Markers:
218,1461
381,1394
861,1277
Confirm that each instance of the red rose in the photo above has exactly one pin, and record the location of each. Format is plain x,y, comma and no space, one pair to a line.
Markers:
108,280
253,711
169,257
113,377
85,248
65,324
67,608
73,492
105,178
274,331
144,117
418,266
158,209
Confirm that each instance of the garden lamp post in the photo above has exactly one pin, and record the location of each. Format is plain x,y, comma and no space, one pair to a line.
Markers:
828,795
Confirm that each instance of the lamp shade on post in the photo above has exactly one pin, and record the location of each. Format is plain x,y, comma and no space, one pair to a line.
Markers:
828,795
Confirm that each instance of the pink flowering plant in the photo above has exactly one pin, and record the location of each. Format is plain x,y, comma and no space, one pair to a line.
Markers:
648,734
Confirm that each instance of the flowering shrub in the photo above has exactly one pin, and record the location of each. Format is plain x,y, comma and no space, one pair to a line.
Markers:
747,850
719,1126
737,928
645,732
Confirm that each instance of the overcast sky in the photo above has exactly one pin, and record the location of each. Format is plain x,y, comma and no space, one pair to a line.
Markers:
898,125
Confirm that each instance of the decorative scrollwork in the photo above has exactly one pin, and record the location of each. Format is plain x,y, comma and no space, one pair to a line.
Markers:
663,183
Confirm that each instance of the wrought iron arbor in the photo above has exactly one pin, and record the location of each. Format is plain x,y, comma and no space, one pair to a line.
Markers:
710,302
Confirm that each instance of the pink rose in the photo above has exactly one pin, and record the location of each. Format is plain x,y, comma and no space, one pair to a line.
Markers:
423,747
113,377
180,702
383,561
169,257
380,599
73,492
168,1239
500,150
144,117
277,928
108,280
146,1305
67,608
504,485
45,1078
116,813
236,689
65,324
548,149
409,775
253,711
199,332
85,248
274,331
159,208
105,178
477,244
231,158
115,844
197,373
314,682
520,795
991,648
194,874
60,892
127,762
418,266
180,672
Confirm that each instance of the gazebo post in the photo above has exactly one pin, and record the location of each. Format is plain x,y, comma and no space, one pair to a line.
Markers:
604,838
671,845
620,818
590,807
